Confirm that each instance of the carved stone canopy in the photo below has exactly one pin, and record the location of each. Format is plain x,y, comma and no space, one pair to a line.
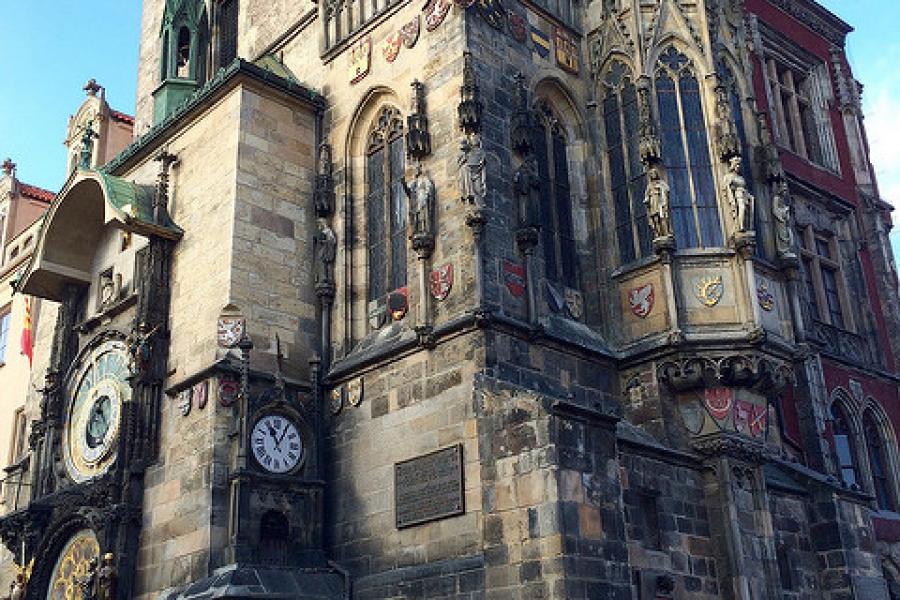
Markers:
750,370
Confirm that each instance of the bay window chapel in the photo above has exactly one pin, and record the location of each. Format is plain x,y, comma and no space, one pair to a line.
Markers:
677,98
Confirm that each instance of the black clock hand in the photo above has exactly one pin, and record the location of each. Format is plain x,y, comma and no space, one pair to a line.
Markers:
281,439
273,434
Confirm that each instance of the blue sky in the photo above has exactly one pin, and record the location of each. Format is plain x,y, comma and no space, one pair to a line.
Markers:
50,48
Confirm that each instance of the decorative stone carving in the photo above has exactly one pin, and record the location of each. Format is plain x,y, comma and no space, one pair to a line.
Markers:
727,140
326,251
472,172
767,154
741,201
418,140
140,349
528,194
656,199
784,230
649,144
161,200
520,128
469,109
324,193
421,194
752,370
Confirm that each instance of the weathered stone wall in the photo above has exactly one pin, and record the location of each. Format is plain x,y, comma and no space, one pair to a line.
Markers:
797,565
678,540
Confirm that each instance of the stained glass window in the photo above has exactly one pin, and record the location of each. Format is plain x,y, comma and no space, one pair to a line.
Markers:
386,205
685,148
557,230
627,179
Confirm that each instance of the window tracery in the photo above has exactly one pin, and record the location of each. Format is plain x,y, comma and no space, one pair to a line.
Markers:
879,461
686,155
627,176
557,228
386,204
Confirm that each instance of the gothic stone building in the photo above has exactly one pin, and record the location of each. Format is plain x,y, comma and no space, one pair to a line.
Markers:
495,299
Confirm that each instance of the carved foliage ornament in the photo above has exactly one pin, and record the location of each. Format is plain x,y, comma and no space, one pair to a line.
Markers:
736,370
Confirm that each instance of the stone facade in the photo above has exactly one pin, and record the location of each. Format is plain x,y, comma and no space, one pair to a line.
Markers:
406,230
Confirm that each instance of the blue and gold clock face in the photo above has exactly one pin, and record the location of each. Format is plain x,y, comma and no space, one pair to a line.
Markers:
95,393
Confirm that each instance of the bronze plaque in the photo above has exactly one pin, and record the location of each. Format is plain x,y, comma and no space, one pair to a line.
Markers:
429,487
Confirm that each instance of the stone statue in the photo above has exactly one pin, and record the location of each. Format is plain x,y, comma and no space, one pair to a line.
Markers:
420,192
656,199
139,348
472,172
326,251
88,583
781,210
528,193
87,146
324,193
735,188
107,578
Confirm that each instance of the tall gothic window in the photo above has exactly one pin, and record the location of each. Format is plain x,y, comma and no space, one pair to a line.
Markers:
685,148
227,29
844,446
557,231
386,204
627,178
878,461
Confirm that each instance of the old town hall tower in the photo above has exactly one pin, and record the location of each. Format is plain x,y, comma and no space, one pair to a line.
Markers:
469,299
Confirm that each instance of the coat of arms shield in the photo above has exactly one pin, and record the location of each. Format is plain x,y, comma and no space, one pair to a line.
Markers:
518,27
641,300
230,330
514,278
409,33
441,281
574,303
391,47
718,402
435,11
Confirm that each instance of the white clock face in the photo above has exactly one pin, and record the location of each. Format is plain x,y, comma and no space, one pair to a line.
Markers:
276,442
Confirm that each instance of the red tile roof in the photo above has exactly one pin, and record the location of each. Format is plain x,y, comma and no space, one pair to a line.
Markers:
120,116
32,191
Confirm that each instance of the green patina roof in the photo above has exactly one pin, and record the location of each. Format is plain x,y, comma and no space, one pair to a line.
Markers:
134,203
273,64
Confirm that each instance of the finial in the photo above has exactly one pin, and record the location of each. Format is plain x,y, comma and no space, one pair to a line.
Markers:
9,167
92,87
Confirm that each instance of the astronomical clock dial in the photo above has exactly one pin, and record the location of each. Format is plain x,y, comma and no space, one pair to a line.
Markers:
72,566
277,445
95,393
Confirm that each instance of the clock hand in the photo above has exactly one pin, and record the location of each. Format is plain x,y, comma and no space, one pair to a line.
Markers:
281,439
273,434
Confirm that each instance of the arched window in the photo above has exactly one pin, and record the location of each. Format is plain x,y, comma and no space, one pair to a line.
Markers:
557,231
386,204
627,177
878,461
685,148
844,445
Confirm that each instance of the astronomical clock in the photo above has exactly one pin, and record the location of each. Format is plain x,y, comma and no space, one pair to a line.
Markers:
100,404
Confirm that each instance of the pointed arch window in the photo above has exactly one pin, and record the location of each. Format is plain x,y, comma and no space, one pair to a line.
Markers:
386,204
627,177
557,228
878,461
685,148
227,31
844,445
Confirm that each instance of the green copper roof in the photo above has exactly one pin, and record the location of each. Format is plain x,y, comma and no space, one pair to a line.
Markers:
134,203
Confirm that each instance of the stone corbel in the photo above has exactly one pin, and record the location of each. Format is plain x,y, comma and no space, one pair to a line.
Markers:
746,370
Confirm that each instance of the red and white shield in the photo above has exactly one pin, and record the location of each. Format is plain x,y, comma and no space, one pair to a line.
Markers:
718,402
409,33
641,300
435,11
441,281
391,47
514,278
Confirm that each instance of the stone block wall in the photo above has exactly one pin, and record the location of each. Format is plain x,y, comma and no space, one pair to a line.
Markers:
797,565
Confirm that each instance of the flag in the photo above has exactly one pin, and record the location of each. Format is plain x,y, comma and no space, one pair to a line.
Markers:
27,342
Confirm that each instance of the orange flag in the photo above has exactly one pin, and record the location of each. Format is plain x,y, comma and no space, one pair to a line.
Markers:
27,343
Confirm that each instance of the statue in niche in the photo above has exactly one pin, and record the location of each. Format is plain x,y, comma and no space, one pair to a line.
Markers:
472,172
528,193
781,210
326,251
740,200
420,192
656,199
324,194
140,348
107,579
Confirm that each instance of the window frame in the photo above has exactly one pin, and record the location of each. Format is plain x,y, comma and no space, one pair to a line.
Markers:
5,327
19,437
877,426
814,263
387,128
564,272
841,413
